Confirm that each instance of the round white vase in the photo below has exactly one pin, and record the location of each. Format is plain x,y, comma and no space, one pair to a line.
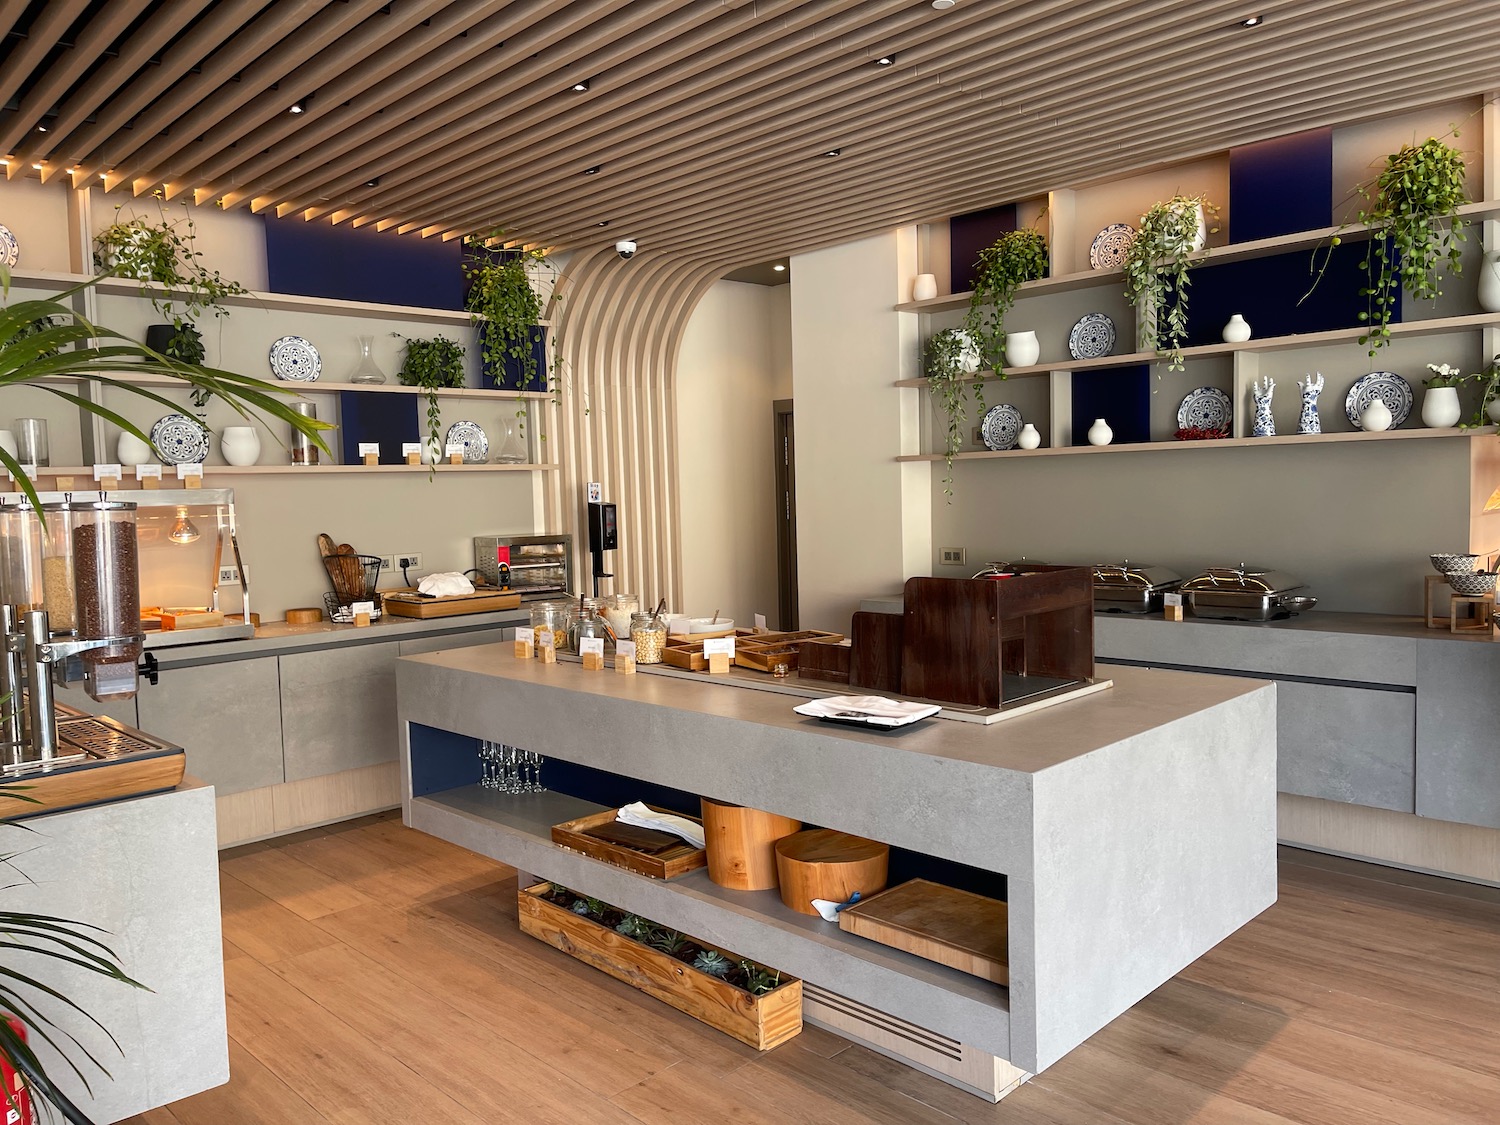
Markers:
1022,349
1237,331
969,359
1100,433
432,451
1440,408
1489,282
1375,417
1492,410
8,442
131,450
240,445
1028,438
924,288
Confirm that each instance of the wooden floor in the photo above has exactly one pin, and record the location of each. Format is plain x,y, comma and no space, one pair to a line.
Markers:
376,975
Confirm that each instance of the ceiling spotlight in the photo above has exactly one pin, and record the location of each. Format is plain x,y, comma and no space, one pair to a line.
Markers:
38,165
886,60
41,128
581,87
1253,21
298,107
779,268
834,152
594,171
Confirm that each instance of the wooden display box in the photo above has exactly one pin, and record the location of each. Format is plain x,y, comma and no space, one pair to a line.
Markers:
679,860
763,651
761,1022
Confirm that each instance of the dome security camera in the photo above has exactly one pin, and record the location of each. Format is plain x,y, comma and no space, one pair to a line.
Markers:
625,248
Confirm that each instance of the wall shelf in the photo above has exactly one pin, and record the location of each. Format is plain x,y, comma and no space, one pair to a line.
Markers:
156,382
168,471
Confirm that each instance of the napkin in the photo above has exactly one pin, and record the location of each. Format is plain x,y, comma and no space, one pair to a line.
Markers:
873,709
642,817
445,584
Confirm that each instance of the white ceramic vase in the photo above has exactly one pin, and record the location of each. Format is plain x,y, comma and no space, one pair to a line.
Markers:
969,359
1489,282
1375,417
240,445
1022,349
1492,410
1100,433
1028,438
924,288
131,450
1440,408
8,442
1237,331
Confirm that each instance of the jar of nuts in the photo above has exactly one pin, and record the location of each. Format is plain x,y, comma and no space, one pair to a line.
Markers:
649,632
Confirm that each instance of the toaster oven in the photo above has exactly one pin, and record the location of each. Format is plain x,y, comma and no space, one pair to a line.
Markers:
535,566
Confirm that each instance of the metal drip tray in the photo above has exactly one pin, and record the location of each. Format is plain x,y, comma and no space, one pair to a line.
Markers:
99,739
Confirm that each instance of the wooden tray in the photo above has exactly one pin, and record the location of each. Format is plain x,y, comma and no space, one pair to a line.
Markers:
762,651
408,603
956,928
669,864
684,654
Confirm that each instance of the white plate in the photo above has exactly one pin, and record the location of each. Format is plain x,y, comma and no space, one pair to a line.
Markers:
1388,387
1092,337
1110,246
180,440
295,360
10,249
472,438
1001,427
1207,408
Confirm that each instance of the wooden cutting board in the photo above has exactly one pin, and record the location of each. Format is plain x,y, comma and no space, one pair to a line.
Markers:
408,603
956,928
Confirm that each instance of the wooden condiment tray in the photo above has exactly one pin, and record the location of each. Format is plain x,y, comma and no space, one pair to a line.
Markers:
763,651
956,928
684,654
668,864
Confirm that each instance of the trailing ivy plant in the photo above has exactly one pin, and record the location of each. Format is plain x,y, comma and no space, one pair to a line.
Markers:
1014,258
434,364
951,365
1156,272
506,308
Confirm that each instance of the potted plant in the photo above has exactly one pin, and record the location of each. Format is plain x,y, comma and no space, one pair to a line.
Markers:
506,310
951,364
434,364
1014,258
165,254
1440,408
1488,411
1156,271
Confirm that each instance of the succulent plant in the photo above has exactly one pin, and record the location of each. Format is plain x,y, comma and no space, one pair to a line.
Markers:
581,906
758,979
634,927
669,942
713,963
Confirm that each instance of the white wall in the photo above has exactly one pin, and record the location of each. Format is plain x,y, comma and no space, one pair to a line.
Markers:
733,365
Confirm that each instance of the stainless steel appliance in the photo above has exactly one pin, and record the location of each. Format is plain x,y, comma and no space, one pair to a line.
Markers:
535,566
1122,588
1245,593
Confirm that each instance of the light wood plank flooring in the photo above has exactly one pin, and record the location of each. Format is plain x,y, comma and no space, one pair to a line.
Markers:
376,975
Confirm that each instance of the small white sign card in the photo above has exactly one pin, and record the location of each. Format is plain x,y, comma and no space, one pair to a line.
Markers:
103,472
717,645
191,470
455,449
410,447
29,470
526,636
363,607
1171,599
593,645
368,447
760,622
625,650
142,472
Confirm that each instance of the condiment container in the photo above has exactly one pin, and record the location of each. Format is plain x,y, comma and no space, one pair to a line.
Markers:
649,632
550,618
107,593
618,609
21,556
57,567
587,624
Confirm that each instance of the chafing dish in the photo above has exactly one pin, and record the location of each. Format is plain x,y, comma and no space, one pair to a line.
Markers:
1245,593
1122,588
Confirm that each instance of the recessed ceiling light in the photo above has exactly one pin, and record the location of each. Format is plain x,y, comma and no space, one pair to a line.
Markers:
41,128
581,87
886,60
594,171
603,223
833,152
373,183
1253,21
943,5
38,166
296,107
778,267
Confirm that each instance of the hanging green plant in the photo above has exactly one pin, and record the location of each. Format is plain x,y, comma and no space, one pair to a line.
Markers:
1156,271
506,310
434,364
1415,231
951,363
1013,259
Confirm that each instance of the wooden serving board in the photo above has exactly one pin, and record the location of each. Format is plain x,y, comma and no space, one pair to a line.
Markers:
677,860
408,603
956,928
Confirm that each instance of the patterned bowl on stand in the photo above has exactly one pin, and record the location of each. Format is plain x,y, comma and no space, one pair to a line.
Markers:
1472,585
1453,563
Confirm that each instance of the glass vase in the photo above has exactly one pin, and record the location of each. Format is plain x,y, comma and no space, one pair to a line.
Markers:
366,371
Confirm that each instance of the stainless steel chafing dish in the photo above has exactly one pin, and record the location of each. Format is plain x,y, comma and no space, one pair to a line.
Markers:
1245,593
1122,588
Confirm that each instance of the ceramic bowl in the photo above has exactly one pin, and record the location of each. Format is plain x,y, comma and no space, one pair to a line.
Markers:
1453,564
709,624
1472,585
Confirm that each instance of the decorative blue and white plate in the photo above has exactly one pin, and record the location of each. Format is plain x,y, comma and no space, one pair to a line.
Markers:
472,438
1207,408
1110,246
1001,427
295,360
1092,337
10,249
180,440
1388,387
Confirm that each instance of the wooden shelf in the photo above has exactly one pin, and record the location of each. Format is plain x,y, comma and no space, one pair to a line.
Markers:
168,471
155,382
1238,251
1219,443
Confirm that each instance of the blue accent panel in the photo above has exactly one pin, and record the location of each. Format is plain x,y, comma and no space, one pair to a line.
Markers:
1119,395
348,264
441,760
971,233
388,419
1281,186
511,377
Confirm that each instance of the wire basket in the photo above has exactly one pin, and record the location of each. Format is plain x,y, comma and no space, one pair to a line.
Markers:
353,577
341,612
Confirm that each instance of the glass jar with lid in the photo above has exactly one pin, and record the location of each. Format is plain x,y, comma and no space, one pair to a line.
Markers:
649,633
549,618
57,566
618,610
587,624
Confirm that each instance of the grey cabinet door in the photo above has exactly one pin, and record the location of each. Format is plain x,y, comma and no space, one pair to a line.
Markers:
121,709
338,709
419,645
1458,724
1347,744
227,716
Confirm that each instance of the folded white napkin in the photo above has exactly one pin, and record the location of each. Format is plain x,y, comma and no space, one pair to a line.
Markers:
873,709
445,584
642,817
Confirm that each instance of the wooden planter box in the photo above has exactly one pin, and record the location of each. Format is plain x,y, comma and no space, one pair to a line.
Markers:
762,1022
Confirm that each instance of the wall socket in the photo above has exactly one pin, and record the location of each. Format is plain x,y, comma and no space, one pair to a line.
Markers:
410,559
228,574
953,556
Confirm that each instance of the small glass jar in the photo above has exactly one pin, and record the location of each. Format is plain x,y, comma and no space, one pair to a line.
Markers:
549,618
618,609
649,633
587,624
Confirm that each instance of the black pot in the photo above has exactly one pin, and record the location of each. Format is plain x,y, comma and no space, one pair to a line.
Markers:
159,337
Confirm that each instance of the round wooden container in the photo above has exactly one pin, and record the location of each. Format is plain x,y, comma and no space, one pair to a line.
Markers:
823,863
741,844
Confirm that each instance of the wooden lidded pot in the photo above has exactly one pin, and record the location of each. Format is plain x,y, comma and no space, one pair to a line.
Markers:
741,844
824,863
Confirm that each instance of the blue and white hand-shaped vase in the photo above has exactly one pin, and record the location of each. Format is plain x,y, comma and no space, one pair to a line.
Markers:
1311,387
1265,424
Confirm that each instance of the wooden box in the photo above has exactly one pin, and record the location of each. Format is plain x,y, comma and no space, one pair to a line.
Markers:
675,861
956,928
762,651
824,662
761,1022
684,654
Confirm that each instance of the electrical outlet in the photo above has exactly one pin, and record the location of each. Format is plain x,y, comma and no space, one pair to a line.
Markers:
387,562
408,559
228,574
954,556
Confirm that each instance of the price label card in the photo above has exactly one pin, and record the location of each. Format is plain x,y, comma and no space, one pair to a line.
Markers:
760,622
29,470
593,645
411,447
366,447
545,638
185,471
526,636
455,449
144,472
1171,599
625,650
723,645
363,607
111,472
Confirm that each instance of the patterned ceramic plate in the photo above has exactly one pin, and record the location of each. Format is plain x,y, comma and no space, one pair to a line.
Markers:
1001,427
10,249
1092,337
295,360
1110,246
1207,408
472,438
1388,387
180,440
